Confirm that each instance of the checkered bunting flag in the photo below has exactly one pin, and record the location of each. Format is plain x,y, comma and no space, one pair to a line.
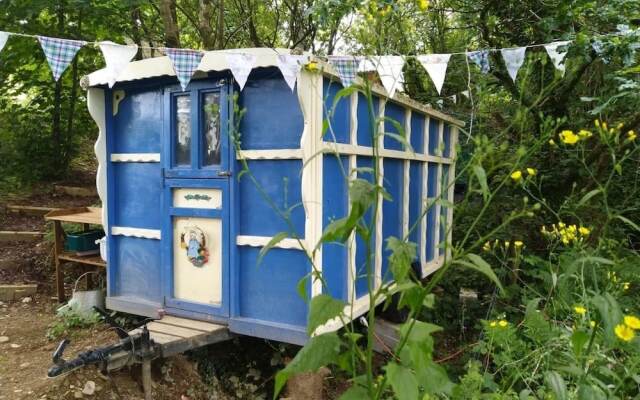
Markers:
185,62
59,53
347,68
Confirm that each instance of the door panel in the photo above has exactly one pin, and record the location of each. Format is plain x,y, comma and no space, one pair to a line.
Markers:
197,260
196,200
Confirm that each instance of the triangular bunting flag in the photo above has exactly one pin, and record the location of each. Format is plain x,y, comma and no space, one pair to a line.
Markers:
436,66
465,93
390,71
557,56
347,68
3,39
185,62
481,59
290,65
513,59
116,57
59,53
241,65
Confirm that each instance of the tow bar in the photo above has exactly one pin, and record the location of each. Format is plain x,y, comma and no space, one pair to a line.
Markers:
130,349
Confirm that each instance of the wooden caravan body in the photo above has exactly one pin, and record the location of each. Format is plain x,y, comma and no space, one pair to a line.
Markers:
184,234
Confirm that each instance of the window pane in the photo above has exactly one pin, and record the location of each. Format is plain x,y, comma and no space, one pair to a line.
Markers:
211,129
183,130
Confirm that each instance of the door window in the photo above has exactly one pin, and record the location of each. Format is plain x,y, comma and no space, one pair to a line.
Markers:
211,129
183,130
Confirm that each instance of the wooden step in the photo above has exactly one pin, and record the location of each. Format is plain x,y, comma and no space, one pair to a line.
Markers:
176,335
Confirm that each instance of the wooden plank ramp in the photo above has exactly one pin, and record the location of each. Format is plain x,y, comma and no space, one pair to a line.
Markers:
176,335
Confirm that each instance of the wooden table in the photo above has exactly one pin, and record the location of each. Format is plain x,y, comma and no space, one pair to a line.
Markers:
86,216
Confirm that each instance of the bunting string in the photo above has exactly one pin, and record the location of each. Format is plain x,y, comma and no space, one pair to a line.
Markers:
61,52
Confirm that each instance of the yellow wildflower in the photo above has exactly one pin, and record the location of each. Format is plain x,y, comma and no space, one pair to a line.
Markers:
580,310
624,332
516,175
632,322
552,142
568,137
532,171
604,126
597,123
625,286
492,324
631,135
620,126
584,134
592,324
518,244
312,66
503,323
506,244
584,231
486,246
423,4
561,224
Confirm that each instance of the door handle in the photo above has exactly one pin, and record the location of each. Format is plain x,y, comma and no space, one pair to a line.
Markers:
224,173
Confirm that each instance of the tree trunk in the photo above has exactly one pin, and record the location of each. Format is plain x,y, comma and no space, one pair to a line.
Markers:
220,33
205,13
57,96
170,19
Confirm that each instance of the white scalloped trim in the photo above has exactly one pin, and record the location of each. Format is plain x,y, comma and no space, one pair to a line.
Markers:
261,241
136,232
280,154
95,104
135,157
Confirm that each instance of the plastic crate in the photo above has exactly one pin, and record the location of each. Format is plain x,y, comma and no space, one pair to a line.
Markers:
83,240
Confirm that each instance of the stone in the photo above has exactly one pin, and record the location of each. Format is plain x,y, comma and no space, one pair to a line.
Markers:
77,395
4,339
27,300
15,345
89,388
24,365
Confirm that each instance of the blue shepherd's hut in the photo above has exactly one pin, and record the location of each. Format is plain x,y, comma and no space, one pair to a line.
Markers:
184,233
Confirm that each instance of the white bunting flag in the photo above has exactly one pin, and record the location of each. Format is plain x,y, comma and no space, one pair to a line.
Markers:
390,71
465,93
290,65
240,65
436,66
557,56
117,57
3,39
513,59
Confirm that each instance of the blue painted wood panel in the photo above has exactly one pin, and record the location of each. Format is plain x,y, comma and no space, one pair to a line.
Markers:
138,271
446,138
268,291
443,210
432,220
434,138
335,205
366,119
391,209
338,115
136,195
280,179
417,132
138,123
415,198
393,112
361,284
273,119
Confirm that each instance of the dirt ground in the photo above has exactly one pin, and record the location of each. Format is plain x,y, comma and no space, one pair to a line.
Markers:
240,369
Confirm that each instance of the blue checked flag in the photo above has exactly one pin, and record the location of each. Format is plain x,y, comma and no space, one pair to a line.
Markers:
481,59
185,62
347,68
59,53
